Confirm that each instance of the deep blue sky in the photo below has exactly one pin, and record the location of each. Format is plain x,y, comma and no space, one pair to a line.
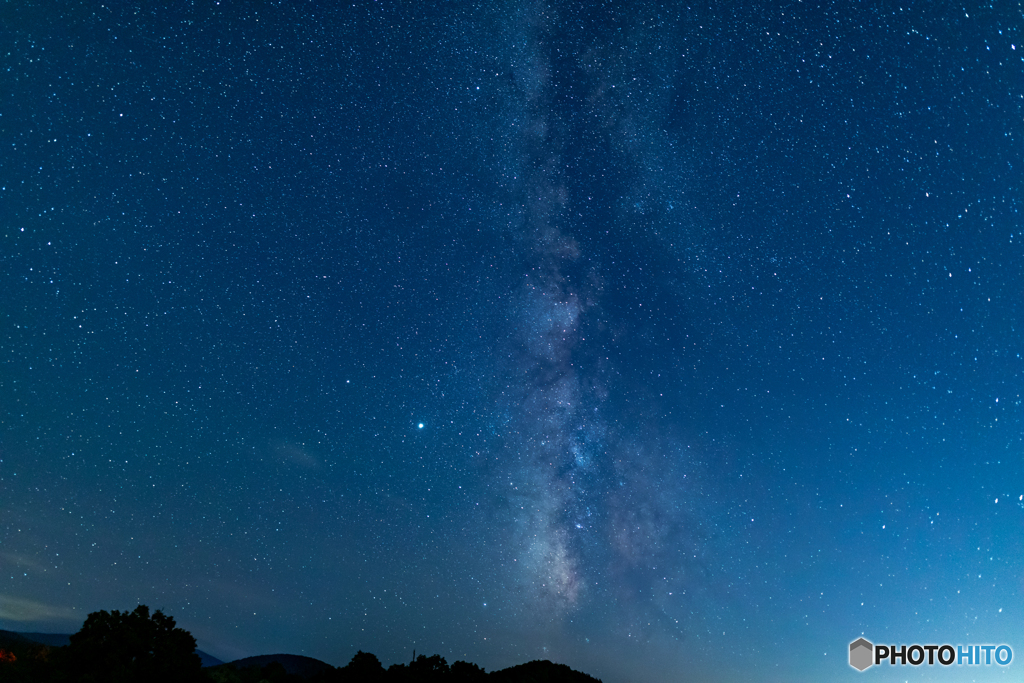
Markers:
661,340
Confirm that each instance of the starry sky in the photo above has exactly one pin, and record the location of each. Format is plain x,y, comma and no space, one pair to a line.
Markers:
668,341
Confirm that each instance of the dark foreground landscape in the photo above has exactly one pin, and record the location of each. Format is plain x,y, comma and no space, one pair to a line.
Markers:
136,647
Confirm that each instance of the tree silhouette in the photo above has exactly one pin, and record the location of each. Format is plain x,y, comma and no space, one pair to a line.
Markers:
398,673
364,668
431,669
467,672
132,647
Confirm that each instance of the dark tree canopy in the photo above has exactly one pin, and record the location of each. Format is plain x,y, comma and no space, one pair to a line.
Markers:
364,668
130,647
467,672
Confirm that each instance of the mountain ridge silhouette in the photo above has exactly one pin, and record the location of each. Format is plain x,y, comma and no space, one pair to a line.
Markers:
62,639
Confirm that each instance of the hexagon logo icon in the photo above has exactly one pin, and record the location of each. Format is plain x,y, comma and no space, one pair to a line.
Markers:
861,652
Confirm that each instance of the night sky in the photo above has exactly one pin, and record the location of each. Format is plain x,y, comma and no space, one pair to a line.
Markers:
662,341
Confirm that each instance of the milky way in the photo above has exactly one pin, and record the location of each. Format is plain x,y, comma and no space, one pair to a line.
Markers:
598,503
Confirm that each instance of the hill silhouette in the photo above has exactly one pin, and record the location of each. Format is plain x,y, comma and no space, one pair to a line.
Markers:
136,646
62,639
296,665
540,671
366,668
11,637
51,639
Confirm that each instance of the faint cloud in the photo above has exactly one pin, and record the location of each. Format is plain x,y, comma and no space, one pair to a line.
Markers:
20,561
294,454
20,609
